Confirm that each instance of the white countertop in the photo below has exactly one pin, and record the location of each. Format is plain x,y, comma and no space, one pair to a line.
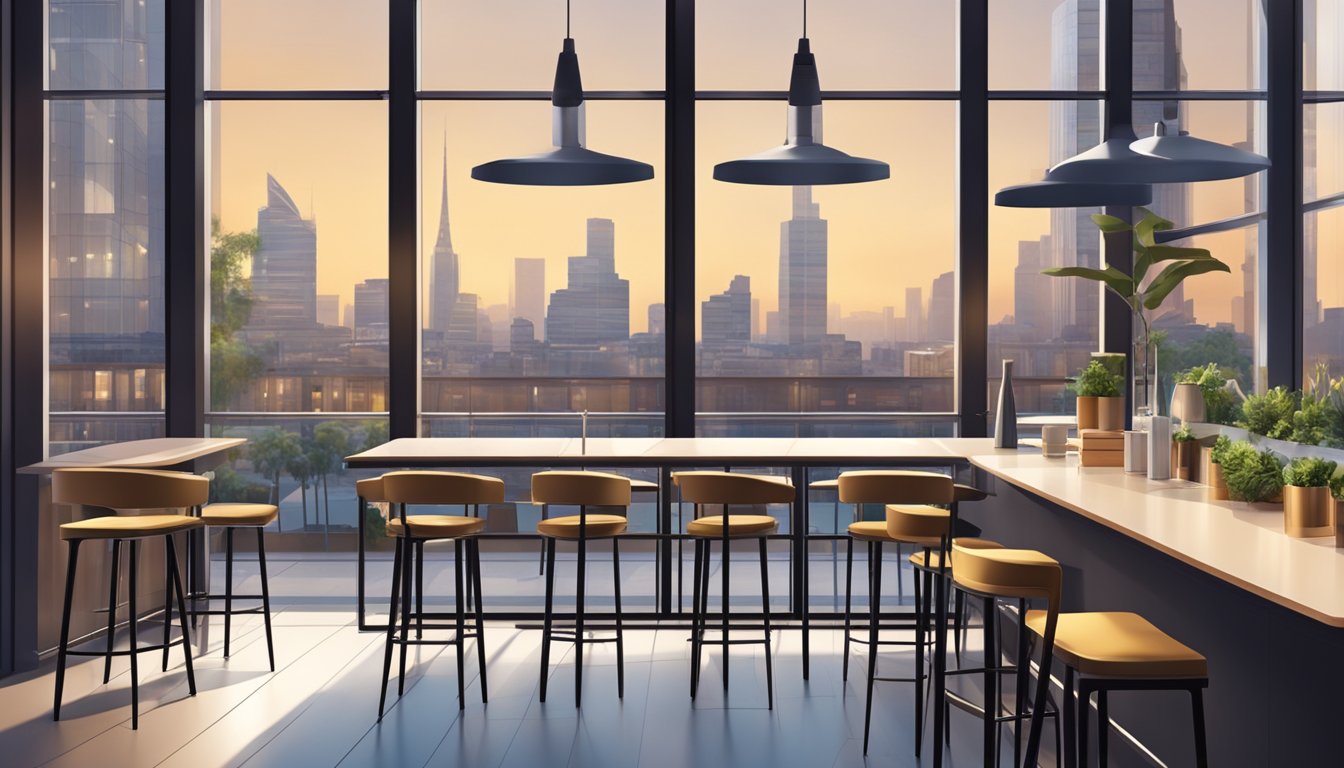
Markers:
141,454
1242,544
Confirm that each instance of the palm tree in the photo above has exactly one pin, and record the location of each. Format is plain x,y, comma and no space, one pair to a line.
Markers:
300,468
271,453
331,442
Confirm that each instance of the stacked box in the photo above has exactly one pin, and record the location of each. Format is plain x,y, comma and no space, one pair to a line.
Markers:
1103,448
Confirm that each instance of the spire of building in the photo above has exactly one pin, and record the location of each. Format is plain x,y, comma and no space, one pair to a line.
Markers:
444,275
277,197
445,238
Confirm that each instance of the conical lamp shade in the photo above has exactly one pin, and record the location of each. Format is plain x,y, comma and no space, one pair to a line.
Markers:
1208,160
570,163
1065,194
803,160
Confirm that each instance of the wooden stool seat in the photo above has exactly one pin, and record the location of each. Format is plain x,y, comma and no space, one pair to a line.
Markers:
436,526
127,527
711,526
226,514
567,527
933,560
1119,644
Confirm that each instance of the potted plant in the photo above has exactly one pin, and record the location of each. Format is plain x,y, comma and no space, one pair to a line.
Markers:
1184,450
1099,399
1269,414
1212,470
1252,475
1220,400
1142,293
1337,491
1308,508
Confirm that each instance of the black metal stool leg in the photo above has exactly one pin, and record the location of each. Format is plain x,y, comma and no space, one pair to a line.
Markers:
175,585
265,595
461,620
133,634
991,688
849,589
620,633
228,587
765,611
1201,740
1103,729
1020,688
112,610
407,574
1070,729
724,606
71,559
695,620
921,621
874,618
392,608
167,607
578,623
475,548
1084,714
420,588
958,629
549,546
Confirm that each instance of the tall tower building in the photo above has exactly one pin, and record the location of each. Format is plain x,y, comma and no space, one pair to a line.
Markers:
914,314
444,269
594,307
284,268
802,272
371,310
529,290
725,318
943,309
1031,289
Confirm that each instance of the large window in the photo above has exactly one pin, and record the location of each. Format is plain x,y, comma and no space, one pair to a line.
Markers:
1322,182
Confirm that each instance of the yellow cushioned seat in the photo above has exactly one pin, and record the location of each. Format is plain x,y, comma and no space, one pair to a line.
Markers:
239,514
738,525
436,526
1007,572
1119,644
919,561
128,526
870,530
567,527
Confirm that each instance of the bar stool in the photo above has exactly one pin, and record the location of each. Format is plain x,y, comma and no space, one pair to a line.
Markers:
1108,651
230,517
582,489
120,490
636,486
908,496
993,574
727,489
368,491
411,533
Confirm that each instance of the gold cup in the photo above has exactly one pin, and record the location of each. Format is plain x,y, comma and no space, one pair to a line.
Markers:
1212,475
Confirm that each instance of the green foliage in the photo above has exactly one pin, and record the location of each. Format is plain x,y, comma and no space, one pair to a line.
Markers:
1270,414
1140,292
1311,421
233,364
272,453
375,526
1096,381
1183,435
1337,486
1251,475
1308,472
1220,446
1220,405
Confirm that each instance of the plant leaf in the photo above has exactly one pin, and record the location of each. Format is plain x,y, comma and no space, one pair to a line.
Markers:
1150,223
1114,279
1109,223
1169,278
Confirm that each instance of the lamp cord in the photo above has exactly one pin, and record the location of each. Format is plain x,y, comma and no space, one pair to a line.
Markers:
804,17
566,18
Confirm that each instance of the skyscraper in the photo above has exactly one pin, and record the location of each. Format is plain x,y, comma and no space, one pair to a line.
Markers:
329,309
802,272
657,319
284,268
529,290
1031,289
914,313
444,269
725,318
594,307
371,310
943,309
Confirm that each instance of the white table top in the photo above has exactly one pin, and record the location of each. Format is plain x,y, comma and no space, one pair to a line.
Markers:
142,454
652,451
1242,544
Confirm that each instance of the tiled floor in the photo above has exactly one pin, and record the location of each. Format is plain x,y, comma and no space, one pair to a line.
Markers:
319,707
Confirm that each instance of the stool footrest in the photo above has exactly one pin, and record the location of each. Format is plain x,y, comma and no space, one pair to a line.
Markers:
739,641
223,612
127,651
203,596
569,638
864,641
901,679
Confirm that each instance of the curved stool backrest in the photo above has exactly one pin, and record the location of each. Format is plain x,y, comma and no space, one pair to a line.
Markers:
709,487
128,489
918,524
370,489
893,486
422,487
580,488
1018,573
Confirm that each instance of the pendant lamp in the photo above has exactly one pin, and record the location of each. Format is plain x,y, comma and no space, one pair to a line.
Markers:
802,160
570,163
1066,194
1208,160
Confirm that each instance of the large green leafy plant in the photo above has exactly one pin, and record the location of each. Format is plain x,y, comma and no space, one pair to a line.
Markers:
1251,475
1142,292
1308,472
1096,380
1220,404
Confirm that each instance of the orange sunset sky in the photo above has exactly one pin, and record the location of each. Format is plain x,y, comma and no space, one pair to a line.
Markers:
884,236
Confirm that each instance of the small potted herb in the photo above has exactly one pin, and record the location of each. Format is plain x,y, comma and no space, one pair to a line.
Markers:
1184,450
1100,405
1212,471
1252,475
1337,491
1307,504
1270,414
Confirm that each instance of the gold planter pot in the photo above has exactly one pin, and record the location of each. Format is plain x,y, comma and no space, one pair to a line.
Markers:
1339,523
1111,413
1184,459
1212,475
1308,512
1087,413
